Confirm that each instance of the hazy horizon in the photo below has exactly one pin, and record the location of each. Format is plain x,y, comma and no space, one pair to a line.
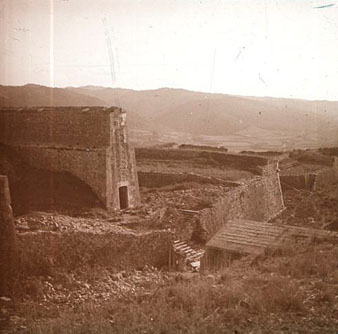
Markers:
282,49
174,88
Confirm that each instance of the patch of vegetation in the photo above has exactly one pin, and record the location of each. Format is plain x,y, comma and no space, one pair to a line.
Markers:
200,306
280,292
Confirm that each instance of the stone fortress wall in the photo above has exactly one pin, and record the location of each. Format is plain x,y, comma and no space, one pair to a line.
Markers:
259,199
90,143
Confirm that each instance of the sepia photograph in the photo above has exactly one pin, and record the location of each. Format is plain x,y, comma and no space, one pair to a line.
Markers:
168,166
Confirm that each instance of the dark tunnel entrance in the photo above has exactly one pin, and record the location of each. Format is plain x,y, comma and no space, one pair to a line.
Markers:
123,195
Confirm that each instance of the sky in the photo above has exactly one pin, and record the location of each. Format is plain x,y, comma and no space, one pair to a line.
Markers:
285,48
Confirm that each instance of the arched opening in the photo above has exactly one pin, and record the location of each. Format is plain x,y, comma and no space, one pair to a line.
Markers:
33,189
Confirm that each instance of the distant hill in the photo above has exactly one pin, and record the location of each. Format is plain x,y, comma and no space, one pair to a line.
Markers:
220,114
169,110
35,95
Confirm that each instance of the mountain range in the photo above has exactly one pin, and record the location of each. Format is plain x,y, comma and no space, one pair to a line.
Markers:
169,110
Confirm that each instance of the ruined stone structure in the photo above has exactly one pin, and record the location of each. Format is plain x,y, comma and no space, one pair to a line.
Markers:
89,143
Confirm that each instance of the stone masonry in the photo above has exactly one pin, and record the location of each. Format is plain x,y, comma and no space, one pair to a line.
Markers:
89,142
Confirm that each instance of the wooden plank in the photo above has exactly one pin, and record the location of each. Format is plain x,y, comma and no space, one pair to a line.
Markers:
247,236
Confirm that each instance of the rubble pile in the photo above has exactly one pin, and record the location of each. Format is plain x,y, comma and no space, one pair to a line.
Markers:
41,221
70,289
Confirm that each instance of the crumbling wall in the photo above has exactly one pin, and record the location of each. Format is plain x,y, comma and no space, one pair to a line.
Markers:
90,143
257,199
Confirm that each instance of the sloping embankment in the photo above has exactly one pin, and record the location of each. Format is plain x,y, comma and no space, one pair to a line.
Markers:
42,251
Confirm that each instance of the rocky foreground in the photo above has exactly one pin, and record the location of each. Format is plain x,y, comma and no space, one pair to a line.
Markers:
293,289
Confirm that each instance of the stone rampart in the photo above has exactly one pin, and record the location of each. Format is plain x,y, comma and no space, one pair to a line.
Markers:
257,199
90,143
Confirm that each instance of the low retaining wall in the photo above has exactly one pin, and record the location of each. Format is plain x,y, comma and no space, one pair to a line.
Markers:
40,252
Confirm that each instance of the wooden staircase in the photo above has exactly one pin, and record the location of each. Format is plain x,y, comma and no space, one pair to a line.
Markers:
184,257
